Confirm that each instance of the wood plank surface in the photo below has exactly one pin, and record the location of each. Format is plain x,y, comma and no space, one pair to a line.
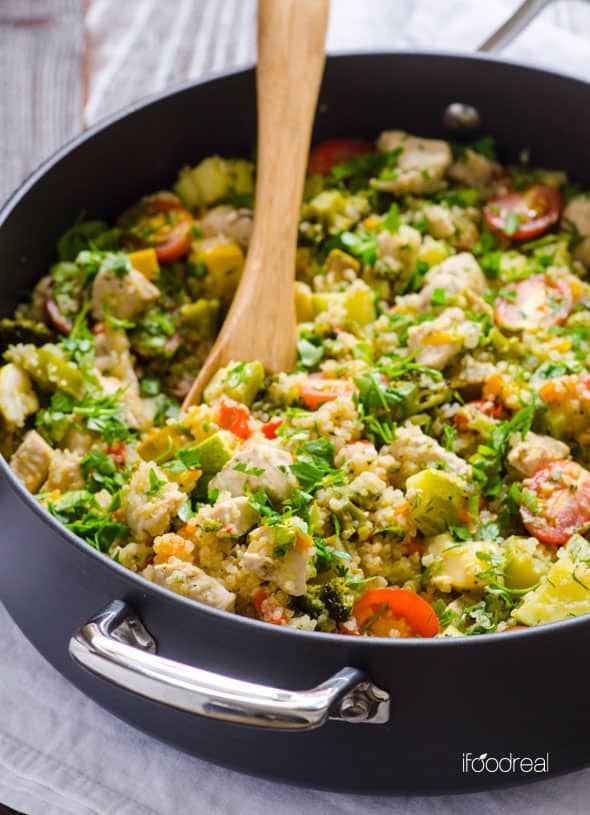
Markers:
64,64
41,90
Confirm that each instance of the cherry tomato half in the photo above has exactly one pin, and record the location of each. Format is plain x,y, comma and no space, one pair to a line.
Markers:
379,611
270,428
521,216
556,503
532,303
159,222
329,153
316,391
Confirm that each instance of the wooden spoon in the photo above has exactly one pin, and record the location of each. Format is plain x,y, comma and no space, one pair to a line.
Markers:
261,321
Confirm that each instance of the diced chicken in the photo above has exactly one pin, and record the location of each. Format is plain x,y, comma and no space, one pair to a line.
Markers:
436,342
399,250
133,555
455,224
414,451
235,515
77,439
191,581
125,296
17,397
530,453
137,412
150,508
472,373
260,466
420,166
225,220
113,356
474,170
576,215
455,275
64,472
30,463
288,569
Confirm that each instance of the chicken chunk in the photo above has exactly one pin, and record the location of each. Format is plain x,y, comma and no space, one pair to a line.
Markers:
530,453
137,413
267,558
235,515
421,164
192,582
225,220
576,215
113,356
455,275
399,249
30,463
17,396
64,472
125,296
436,342
260,466
414,451
150,508
474,170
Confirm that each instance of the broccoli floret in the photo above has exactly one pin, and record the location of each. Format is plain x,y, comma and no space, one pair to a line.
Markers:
334,598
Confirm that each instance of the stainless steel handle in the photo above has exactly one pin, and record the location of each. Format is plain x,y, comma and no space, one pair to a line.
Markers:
115,645
514,25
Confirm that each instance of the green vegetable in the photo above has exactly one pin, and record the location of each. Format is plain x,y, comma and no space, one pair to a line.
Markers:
315,465
213,180
17,331
201,316
333,598
357,301
50,367
436,500
86,235
99,472
240,382
213,453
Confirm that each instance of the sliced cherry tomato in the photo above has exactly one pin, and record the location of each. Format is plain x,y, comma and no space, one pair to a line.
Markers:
521,216
415,545
236,419
556,503
532,303
159,222
316,391
270,428
379,611
328,154
268,609
491,409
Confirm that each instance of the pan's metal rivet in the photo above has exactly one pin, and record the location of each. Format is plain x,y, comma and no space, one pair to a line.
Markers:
354,709
461,117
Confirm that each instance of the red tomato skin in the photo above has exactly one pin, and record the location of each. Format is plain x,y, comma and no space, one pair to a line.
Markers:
270,428
508,314
491,409
236,419
498,208
328,154
179,240
403,604
565,510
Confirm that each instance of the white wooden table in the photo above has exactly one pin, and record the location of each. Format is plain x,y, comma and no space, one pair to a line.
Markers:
64,64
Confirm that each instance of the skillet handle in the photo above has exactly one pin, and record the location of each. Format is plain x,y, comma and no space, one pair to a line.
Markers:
518,21
115,646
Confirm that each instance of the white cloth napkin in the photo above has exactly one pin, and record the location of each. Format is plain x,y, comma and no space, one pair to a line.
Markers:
60,754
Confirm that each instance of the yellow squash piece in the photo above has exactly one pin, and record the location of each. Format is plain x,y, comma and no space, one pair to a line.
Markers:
436,500
146,262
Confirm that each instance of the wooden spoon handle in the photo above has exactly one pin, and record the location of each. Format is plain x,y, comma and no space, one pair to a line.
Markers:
261,321
291,38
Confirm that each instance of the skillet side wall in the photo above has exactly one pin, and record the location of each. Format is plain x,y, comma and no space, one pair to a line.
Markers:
497,695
